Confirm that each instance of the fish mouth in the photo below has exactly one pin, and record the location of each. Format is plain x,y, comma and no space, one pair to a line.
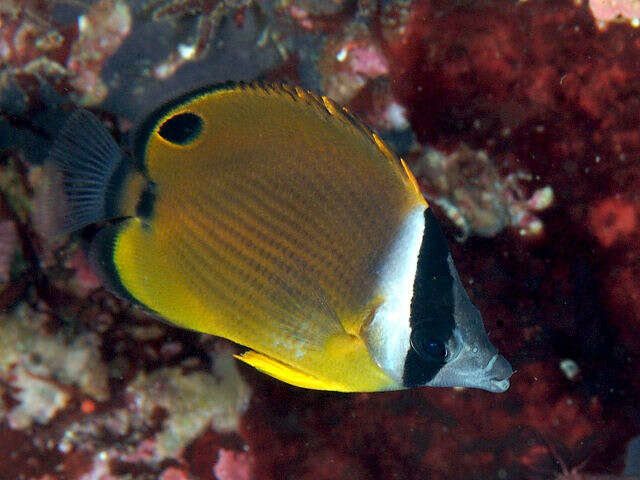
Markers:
498,386
498,370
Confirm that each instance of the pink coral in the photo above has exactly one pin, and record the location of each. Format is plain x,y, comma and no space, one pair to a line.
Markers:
84,279
301,16
233,465
173,473
348,63
364,58
608,10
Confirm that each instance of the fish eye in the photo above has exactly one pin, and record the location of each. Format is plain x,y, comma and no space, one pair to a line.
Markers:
182,128
430,349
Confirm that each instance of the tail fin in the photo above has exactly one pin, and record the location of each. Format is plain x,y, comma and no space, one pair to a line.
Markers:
91,167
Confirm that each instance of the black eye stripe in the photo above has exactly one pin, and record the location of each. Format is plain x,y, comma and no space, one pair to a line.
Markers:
431,307
429,348
182,128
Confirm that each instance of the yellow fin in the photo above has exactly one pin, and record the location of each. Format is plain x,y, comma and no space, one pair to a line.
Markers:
413,181
355,322
287,373
341,345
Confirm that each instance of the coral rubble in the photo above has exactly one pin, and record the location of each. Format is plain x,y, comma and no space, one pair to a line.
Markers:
193,401
38,368
101,32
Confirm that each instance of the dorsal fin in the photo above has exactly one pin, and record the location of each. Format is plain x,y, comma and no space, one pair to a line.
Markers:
322,104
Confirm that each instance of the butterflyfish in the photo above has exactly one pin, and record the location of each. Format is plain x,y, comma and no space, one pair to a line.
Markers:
275,218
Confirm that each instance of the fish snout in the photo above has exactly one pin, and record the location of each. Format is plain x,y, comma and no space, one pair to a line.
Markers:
497,371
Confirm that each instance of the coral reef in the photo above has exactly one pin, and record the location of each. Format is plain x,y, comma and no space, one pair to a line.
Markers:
30,45
475,197
520,120
210,17
233,465
165,411
348,63
101,32
38,369
193,401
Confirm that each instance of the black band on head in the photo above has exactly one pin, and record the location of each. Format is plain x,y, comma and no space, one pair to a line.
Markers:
432,303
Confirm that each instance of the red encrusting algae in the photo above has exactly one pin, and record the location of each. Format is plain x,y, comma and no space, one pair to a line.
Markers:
612,220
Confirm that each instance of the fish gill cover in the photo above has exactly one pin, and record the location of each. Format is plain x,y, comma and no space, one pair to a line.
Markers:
520,120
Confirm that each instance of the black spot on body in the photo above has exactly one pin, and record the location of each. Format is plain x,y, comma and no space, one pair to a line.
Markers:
144,209
144,130
432,322
182,128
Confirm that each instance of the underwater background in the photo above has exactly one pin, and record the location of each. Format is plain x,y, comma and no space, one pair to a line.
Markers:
521,120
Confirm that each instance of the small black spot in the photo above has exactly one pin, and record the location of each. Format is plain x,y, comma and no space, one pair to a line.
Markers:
144,209
181,129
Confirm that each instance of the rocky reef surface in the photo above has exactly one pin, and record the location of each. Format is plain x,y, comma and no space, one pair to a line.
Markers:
520,120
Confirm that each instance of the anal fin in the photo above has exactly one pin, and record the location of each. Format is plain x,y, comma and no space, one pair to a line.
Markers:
287,373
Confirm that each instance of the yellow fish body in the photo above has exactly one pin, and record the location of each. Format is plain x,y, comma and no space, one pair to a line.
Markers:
274,218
